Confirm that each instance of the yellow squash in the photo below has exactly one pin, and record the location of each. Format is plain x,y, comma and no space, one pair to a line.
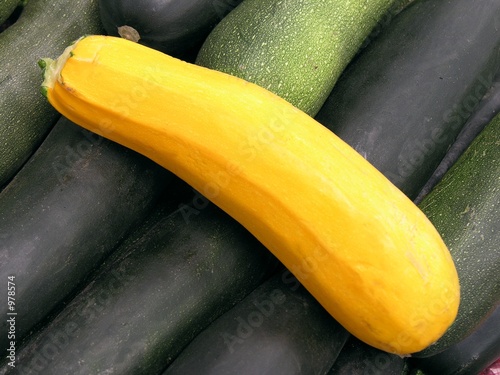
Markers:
358,244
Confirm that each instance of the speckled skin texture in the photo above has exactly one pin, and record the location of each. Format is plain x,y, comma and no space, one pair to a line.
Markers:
44,28
464,208
6,9
296,49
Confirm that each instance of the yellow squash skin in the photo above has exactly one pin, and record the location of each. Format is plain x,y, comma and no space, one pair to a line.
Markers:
359,245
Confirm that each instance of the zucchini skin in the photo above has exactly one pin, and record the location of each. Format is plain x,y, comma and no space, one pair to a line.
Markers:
295,49
173,27
487,109
66,210
7,7
405,98
25,116
464,208
279,329
180,270
357,358
468,357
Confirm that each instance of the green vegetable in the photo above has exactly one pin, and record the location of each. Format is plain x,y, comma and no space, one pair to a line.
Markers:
464,208
44,28
296,49
468,357
179,271
358,358
487,109
177,28
405,98
64,212
7,7
279,329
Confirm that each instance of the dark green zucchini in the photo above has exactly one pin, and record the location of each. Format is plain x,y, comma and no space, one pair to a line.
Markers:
173,27
385,20
7,7
487,109
174,275
44,28
358,358
464,208
279,329
468,357
67,209
402,102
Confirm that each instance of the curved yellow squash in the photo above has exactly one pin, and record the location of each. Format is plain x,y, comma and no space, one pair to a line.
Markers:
358,244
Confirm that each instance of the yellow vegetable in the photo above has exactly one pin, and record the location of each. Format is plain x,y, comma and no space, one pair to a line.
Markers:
359,245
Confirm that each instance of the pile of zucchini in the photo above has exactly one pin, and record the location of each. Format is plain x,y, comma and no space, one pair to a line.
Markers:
114,265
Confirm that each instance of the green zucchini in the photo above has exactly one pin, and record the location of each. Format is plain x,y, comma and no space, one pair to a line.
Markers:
44,28
406,96
358,358
386,19
167,281
296,49
468,357
487,109
66,210
279,329
464,208
7,7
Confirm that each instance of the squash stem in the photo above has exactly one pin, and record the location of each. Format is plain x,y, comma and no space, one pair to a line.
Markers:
52,68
